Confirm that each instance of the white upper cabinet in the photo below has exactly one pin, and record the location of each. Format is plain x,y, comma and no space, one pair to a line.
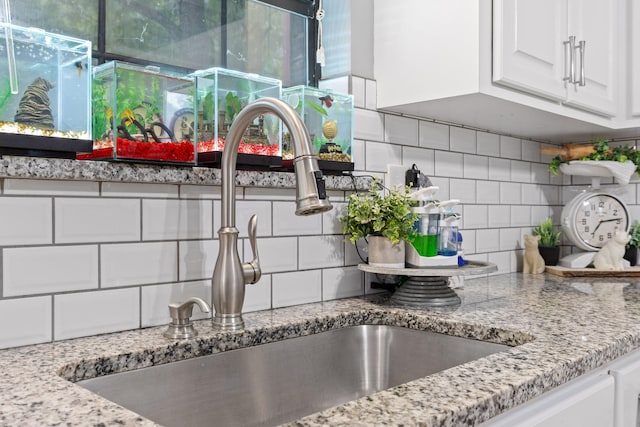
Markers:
635,58
564,50
528,49
505,65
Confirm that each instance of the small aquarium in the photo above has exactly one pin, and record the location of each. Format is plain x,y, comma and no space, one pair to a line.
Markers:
45,96
222,94
329,118
142,114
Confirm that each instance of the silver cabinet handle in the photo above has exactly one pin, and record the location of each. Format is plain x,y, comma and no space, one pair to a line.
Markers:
251,270
581,47
569,48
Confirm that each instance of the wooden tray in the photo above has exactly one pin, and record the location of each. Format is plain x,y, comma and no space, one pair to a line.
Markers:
592,272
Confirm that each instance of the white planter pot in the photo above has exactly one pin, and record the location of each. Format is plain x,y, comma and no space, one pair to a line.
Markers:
383,253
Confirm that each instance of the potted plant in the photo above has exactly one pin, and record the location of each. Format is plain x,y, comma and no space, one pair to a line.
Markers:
549,244
631,252
384,219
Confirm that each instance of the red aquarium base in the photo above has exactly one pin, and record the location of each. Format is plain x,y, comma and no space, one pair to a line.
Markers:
175,152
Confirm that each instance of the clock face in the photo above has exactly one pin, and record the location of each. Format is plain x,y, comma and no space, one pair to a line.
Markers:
595,218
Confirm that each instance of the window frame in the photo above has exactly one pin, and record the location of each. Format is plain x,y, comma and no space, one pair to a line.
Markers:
306,8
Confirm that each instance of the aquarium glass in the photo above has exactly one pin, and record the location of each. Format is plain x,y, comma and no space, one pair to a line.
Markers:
75,18
53,84
142,113
328,116
222,94
247,36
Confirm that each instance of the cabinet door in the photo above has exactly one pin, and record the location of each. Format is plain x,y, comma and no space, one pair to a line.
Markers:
635,58
584,402
595,22
528,50
626,372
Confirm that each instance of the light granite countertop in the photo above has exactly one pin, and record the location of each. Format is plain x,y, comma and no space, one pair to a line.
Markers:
86,170
558,331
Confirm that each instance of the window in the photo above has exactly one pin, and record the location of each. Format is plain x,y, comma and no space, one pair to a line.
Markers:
270,37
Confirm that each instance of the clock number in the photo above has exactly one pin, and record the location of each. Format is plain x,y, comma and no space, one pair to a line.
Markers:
601,204
587,213
601,238
609,235
586,229
584,221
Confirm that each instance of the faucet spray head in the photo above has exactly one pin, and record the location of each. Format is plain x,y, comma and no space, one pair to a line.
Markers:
311,197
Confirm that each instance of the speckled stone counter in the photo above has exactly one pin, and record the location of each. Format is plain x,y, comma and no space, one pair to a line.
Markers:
559,330
62,169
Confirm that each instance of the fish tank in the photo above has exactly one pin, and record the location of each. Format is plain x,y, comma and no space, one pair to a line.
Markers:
222,93
142,114
45,93
329,118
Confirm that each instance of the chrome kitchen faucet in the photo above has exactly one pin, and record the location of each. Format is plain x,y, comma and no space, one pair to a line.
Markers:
230,274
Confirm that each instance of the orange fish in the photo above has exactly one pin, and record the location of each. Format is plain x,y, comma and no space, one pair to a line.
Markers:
326,100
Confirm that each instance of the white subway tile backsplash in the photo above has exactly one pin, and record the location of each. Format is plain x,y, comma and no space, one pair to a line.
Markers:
276,253
320,252
487,240
98,312
463,190
531,194
177,219
400,130
87,220
449,164
488,192
463,140
34,325
488,144
42,187
138,263
244,211
287,223
197,259
139,190
379,155
267,194
520,171
531,151
368,125
49,269
25,221
499,216
434,135
371,90
423,158
539,173
520,216
510,193
358,154
351,256
443,187
205,192
358,91
474,216
258,296
342,283
502,260
510,148
539,214
476,167
499,169
155,301
468,241
550,195
510,239
296,288
331,220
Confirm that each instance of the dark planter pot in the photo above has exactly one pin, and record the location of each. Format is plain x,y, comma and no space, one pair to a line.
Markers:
631,255
551,255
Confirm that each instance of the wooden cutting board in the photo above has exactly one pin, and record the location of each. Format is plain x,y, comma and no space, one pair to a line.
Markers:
592,272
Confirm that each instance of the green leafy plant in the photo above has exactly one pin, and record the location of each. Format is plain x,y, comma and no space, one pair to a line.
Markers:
549,236
634,235
602,151
379,212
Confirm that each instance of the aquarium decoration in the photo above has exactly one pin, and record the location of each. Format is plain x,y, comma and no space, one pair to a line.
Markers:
222,93
329,118
45,102
142,114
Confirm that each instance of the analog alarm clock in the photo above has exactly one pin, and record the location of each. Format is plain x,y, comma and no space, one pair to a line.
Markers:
590,220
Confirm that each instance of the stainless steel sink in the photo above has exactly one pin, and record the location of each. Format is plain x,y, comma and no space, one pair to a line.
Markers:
282,381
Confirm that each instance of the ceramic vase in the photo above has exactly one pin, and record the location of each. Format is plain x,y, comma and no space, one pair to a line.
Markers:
383,253
550,254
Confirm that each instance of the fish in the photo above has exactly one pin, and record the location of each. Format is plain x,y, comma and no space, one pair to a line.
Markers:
326,100
128,116
79,67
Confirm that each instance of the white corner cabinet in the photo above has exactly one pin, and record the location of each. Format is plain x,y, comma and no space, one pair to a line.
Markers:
500,65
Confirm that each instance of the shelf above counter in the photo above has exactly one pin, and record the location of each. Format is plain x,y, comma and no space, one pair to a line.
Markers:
84,170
